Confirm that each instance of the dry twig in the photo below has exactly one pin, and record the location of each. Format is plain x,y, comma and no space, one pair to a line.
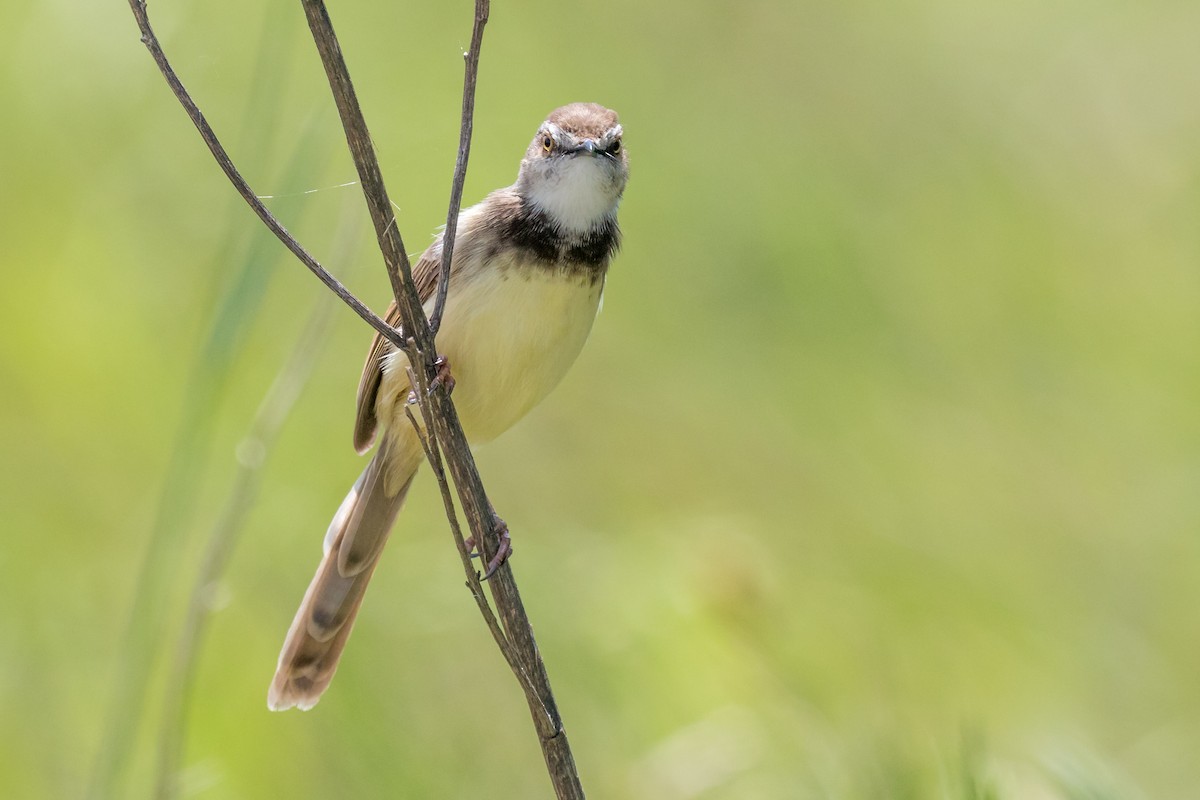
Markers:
243,188
482,9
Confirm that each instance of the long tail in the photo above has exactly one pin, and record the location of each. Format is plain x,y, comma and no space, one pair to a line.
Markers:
352,546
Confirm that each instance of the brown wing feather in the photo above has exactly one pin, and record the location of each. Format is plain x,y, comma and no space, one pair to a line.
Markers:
425,276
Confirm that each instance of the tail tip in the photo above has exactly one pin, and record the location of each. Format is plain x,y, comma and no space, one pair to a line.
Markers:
288,695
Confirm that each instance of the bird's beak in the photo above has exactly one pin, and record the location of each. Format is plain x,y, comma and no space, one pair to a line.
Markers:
588,145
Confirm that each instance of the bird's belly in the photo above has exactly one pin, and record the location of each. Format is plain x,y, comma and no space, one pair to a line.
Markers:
510,336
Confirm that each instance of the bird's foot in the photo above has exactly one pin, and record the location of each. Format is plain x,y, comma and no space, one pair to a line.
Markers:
503,551
443,376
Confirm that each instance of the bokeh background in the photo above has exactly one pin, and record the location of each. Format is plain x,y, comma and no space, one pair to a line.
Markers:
880,476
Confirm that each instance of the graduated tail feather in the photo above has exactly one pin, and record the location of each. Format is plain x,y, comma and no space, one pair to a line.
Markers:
352,547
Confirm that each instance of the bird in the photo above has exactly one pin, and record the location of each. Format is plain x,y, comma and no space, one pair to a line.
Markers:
526,280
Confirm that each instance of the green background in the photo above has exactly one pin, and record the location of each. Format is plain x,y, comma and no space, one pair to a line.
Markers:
879,477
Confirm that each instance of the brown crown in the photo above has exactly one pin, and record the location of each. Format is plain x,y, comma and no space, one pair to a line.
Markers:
584,119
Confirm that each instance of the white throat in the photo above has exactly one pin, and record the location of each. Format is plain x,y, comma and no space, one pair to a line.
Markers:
578,195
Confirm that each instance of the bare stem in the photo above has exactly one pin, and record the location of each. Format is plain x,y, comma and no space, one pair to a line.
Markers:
243,188
362,150
482,9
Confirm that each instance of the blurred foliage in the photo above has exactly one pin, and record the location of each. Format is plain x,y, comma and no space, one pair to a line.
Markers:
877,479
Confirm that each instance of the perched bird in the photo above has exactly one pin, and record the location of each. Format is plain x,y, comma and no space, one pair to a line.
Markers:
528,271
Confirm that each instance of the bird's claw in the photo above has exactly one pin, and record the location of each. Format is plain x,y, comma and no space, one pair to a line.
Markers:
443,376
503,550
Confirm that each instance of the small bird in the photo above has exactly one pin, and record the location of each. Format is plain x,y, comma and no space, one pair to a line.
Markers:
528,271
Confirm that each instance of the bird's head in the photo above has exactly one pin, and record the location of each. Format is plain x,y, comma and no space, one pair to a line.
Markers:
576,166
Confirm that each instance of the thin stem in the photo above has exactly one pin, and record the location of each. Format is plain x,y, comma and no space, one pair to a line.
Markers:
482,9
243,188
362,150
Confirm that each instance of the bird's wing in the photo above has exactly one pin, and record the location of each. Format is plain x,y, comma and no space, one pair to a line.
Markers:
425,276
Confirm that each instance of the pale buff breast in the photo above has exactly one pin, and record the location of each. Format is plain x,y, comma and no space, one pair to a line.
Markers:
511,332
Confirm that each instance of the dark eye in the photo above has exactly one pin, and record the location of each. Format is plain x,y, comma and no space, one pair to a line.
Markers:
615,147
547,143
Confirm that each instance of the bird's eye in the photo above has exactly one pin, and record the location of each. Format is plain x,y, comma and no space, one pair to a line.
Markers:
615,147
547,143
